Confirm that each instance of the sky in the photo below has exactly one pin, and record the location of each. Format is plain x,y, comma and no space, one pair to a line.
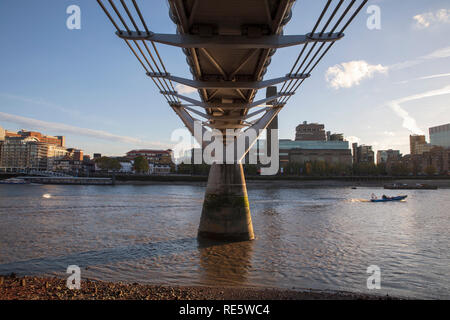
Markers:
377,86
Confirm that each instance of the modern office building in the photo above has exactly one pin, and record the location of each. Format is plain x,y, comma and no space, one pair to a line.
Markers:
29,153
23,153
306,151
29,150
440,136
331,156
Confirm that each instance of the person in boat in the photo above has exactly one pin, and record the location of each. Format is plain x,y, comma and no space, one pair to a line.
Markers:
385,197
373,196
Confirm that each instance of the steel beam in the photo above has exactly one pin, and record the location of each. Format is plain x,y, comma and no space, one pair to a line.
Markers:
259,126
227,84
201,114
231,42
227,105
189,122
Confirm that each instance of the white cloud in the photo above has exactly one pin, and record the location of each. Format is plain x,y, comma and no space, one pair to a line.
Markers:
427,19
408,121
349,74
71,112
433,76
184,89
431,93
438,54
422,20
62,128
353,139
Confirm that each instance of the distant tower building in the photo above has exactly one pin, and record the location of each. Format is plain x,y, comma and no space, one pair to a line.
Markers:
310,132
415,141
355,152
2,139
440,136
62,140
270,92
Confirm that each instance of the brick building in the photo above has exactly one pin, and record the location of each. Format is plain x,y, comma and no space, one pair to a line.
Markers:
310,132
363,154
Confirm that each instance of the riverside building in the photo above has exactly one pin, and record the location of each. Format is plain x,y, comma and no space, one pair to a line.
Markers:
29,150
312,143
363,154
414,142
385,156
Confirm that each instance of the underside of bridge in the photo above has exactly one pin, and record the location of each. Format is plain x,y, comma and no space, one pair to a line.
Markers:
226,211
228,47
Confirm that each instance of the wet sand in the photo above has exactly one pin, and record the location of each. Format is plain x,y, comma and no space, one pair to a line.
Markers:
41,288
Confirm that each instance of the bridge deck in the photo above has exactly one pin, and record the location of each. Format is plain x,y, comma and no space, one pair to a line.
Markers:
228,47
235,17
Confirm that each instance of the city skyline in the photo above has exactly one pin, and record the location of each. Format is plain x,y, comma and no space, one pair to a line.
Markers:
375,97
427,141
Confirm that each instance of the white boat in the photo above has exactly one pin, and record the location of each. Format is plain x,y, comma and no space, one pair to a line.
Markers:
14,181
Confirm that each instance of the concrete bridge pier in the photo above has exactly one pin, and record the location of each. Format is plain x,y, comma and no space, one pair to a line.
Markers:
226,211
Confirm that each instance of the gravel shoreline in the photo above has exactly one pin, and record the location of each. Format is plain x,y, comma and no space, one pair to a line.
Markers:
44,288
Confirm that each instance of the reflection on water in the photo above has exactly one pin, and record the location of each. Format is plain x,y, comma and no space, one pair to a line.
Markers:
306,238
225,263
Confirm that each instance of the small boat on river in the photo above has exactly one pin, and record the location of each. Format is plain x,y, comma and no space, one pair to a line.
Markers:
404,186
388,199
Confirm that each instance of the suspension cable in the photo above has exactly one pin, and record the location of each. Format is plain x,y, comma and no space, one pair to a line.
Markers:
163,85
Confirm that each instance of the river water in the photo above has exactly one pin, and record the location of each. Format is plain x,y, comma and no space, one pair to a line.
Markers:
320,238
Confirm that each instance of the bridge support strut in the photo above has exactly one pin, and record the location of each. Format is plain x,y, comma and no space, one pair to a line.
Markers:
226,210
